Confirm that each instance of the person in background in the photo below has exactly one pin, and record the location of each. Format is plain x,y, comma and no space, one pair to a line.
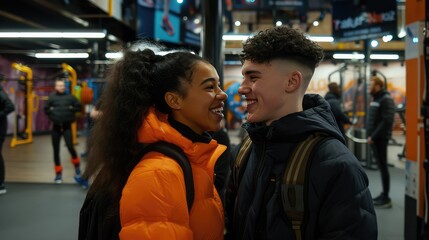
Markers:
381,115
61,109
278,64
6,107
222,164
333,97
174,98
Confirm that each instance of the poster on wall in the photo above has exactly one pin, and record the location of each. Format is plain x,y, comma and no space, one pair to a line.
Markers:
359,19
169,21
269,4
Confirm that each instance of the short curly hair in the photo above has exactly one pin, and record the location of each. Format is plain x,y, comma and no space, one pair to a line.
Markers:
284,43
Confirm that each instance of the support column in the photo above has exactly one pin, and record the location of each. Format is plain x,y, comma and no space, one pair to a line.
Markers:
212,43
415,82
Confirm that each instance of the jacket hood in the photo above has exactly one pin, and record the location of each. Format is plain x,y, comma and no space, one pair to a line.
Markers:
315,117
156,128
330,96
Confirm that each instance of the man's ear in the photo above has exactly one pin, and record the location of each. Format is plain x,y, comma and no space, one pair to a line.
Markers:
293,82
173,100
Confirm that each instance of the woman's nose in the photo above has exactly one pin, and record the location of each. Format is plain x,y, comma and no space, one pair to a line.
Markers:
222,95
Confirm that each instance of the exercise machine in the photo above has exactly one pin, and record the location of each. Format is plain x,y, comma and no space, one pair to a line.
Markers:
25,136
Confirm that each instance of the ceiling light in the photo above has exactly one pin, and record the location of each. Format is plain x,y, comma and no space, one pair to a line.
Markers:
321,38
235,37
356,55
316,23
99,34
61,55
387,38
402,33
237,23
384,56
279,23
374,43
348,56
113,55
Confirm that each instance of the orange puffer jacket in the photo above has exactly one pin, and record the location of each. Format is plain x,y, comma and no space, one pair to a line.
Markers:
153,203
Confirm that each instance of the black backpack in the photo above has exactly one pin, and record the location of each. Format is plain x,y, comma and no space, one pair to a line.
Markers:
94,222
294,184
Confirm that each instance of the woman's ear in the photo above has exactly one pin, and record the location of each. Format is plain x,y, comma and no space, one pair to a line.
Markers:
173,100
293,82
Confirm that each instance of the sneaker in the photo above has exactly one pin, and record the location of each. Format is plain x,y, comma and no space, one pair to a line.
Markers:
58,179
166,25
378,198
77,172
2,190
384,202
84,183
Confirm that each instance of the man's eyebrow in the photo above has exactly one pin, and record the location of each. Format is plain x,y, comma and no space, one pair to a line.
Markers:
251,72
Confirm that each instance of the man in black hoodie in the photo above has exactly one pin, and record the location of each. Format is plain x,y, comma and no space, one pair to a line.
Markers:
61,109
278,65
381,114
6,107
333,97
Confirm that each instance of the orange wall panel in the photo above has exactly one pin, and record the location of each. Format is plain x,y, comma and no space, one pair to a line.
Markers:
412,76
414,12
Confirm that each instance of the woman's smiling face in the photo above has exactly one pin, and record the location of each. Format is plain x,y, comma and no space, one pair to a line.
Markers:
201,108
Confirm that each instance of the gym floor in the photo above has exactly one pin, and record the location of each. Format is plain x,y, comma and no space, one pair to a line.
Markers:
36,208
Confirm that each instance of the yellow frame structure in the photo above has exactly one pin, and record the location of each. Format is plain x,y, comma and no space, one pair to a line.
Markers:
73,80
30,97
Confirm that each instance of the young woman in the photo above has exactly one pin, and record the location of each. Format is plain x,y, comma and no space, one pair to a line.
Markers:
174,98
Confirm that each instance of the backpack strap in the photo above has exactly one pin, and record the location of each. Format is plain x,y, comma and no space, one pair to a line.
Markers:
293,186
177,154
241,159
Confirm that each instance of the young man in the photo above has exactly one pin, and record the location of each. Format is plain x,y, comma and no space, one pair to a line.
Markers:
61,109
381,114
277,67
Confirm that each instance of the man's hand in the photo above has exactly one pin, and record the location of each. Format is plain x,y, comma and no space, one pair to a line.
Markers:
370,140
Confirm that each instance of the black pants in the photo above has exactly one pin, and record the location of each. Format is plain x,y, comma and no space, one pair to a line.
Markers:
65,130
3,128
379,149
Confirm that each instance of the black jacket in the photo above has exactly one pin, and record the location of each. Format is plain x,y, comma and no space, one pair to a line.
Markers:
340,117
381,114
6,107
339,202
62,108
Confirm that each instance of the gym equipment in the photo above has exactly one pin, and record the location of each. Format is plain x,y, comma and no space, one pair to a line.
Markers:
72,76
27,135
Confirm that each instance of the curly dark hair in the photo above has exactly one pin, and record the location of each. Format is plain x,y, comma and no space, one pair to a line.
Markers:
282,42
135,83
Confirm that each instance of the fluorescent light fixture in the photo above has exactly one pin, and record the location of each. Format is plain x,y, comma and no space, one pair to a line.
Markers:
384,56
113,55
61,55
242,37
321,38
348,56
52,34
235,37
362,56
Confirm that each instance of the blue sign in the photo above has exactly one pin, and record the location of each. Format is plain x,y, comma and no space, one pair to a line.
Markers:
353,21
